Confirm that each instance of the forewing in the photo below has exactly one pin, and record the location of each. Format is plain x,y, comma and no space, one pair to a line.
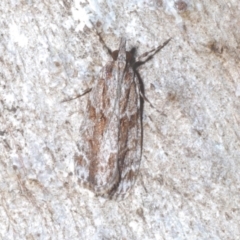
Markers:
130,135
96,165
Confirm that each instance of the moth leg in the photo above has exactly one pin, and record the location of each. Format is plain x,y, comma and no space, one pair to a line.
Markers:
146,99
145,57
142,59
78,96
139,89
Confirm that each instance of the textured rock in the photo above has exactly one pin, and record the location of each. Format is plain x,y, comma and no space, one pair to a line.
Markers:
188,185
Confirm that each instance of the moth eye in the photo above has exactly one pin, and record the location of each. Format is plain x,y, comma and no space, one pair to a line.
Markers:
115,55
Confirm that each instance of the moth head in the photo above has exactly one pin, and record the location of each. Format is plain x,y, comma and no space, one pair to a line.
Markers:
130,55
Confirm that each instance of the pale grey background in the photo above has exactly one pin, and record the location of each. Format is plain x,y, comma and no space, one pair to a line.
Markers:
188,185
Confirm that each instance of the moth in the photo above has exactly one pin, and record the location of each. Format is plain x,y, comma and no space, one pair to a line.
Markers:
111,135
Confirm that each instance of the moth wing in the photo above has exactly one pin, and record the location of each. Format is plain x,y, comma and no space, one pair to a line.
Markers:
97,163
130,135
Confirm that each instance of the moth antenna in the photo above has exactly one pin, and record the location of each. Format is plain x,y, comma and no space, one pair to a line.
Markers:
101,40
